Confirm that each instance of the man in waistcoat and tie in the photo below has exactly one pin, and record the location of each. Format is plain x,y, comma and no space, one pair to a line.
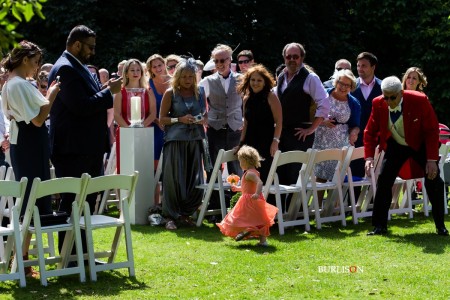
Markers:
404,125
78,126
305,105
225,118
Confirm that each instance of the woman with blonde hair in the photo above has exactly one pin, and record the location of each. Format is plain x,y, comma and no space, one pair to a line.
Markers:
183,114
414,79
133,77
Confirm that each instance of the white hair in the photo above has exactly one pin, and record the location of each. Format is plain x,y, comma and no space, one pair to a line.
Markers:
391,84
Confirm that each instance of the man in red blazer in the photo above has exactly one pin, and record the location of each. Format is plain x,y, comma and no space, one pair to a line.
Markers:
404,125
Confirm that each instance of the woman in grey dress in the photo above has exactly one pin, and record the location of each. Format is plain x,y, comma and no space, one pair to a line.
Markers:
183,110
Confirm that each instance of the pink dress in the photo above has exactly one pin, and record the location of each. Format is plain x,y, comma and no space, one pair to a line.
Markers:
251,215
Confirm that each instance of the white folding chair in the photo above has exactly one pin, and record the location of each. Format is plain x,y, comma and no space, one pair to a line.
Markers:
127,185
216,184
13,243
362,206
333,204
6,202
40,189
108,196
298,199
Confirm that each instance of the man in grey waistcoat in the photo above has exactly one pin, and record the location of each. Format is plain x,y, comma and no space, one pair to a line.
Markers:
225,118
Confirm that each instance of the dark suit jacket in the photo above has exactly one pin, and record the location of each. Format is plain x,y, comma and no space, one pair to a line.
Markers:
420,124
78,115
366,104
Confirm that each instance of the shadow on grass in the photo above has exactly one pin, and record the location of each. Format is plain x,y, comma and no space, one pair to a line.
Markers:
109,284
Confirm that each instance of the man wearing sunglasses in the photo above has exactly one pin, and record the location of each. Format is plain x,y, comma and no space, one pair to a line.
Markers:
341,64
404,125
305,105
245,60
225,118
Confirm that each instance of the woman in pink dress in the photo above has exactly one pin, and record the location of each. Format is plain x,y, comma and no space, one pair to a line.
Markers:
252,216
133,77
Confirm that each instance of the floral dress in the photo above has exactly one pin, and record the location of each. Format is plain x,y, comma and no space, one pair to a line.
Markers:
331,138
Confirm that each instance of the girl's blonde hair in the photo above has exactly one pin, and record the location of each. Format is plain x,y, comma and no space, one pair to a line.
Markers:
143,82
250,155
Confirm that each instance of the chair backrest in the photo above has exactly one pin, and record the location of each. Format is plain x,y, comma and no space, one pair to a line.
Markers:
288,157
13,189
110,167
114,181
49,187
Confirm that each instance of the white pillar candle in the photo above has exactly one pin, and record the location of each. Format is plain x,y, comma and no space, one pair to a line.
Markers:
135,106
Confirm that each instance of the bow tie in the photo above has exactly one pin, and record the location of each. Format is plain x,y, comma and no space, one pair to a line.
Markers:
225,77
395,109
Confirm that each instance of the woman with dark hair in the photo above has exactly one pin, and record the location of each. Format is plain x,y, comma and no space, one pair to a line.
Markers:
262,115
28,109
183,114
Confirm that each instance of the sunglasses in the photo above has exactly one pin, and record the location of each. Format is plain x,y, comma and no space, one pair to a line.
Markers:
216,61
91,47
392,98
43,86
338,69
171,67
292,57
243,61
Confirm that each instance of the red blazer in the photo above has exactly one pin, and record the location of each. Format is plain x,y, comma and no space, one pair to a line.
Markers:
420,123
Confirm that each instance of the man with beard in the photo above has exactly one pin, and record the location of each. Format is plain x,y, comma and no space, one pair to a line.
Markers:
305,105
78,127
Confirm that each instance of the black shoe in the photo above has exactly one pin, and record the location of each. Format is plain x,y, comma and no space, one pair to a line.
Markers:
442,231
378,231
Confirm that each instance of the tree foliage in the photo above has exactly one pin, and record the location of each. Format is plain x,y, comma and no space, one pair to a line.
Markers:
12,13
401,33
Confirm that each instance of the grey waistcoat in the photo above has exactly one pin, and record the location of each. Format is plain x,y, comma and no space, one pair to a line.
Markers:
224,108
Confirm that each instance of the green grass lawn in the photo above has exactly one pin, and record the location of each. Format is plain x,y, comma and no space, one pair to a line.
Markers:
412,262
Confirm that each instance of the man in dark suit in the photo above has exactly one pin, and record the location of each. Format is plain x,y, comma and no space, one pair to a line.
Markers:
368,86
404,125
78,125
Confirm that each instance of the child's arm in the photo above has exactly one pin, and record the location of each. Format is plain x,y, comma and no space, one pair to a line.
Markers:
236,188
251,176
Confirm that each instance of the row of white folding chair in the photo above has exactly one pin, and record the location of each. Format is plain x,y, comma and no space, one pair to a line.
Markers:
81,187
13,245
109,196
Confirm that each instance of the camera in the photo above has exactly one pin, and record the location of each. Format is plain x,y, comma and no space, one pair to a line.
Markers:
198,117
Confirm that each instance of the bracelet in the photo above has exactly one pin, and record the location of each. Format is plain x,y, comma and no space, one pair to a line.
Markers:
173,120
276,139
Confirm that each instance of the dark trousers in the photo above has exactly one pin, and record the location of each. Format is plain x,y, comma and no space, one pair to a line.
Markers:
75,166
288,174
225,139
395,157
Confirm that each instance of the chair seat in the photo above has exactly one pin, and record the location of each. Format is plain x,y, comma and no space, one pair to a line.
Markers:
226,186
285,189
102,221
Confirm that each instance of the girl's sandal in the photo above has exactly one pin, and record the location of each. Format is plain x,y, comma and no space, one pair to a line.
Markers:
242,235
170,225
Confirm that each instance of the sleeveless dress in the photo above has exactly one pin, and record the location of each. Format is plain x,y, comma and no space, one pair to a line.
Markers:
158,133
260,129
329,138
251,215
123,91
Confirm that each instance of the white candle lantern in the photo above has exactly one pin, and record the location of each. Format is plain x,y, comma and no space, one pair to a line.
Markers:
136,106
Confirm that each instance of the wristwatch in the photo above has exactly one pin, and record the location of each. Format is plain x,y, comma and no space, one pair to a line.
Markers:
276,139
173,120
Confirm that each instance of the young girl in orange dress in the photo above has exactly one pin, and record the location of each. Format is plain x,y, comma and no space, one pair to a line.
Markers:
252,216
